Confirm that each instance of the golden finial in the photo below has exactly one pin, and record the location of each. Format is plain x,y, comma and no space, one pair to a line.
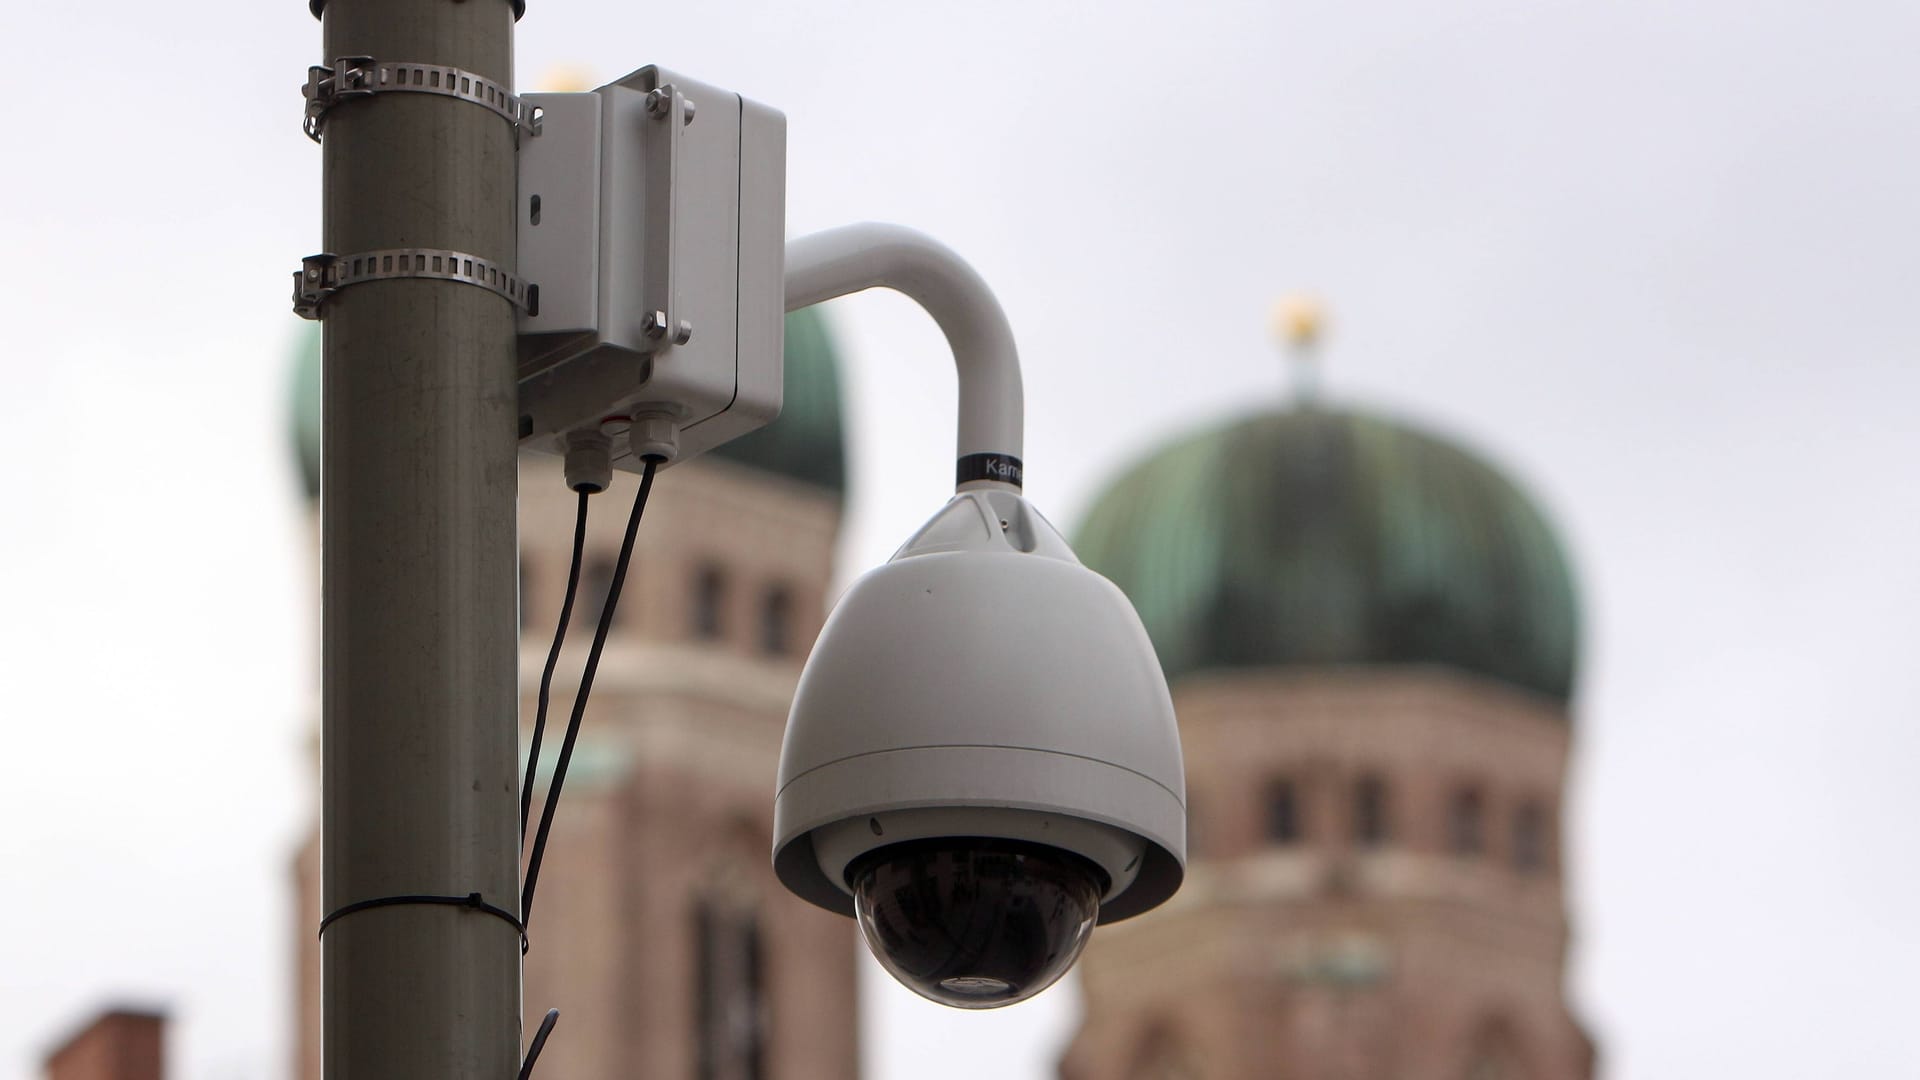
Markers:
567,79
1298,319
1298,322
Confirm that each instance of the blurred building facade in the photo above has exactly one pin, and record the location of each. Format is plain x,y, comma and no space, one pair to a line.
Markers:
118,1043
1371,635
659,930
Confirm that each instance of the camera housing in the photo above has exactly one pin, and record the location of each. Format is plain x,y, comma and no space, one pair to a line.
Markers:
981,728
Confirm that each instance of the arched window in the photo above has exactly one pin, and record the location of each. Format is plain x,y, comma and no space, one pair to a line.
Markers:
1371,828
1284,818
1161,1056
1466,822
1532,839
730,999
709,600
1495,1054
776,621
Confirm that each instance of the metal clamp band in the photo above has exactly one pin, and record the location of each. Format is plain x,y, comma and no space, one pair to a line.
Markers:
360,76
320,276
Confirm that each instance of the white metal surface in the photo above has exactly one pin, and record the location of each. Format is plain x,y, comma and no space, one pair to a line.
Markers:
559,221
982,667
657,252
869,255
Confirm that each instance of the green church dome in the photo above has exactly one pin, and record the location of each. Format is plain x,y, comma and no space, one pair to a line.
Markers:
806,443
1318,537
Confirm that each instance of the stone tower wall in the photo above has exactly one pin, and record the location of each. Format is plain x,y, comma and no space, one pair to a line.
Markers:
1413,955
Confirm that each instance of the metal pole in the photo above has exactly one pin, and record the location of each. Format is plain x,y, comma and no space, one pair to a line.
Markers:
418,560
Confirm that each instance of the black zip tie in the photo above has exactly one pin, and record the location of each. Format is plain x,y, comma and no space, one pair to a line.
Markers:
473,901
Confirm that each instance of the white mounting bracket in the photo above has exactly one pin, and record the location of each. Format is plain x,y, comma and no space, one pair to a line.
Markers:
870,255
656,232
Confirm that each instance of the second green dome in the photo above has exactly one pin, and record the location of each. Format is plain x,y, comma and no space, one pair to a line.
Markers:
1316,537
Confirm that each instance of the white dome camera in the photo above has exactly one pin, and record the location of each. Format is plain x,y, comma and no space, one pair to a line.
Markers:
981,762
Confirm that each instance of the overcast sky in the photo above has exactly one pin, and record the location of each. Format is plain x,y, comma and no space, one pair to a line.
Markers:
1659,260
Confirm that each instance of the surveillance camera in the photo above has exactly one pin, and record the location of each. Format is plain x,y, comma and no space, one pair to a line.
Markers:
981,762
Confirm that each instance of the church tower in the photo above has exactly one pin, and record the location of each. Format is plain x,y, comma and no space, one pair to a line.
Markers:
1371,637
658,929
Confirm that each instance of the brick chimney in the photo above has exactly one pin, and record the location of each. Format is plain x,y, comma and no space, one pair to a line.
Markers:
119,1044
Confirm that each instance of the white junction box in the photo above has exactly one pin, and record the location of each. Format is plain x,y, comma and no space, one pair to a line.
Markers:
652,232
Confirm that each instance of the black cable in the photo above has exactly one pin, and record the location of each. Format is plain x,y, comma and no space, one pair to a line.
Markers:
539,1043
586,687
553,659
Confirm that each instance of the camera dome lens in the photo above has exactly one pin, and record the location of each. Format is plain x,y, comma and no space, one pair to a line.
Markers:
976,923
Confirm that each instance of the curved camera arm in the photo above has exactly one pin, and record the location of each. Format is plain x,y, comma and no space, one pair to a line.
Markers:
853,258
